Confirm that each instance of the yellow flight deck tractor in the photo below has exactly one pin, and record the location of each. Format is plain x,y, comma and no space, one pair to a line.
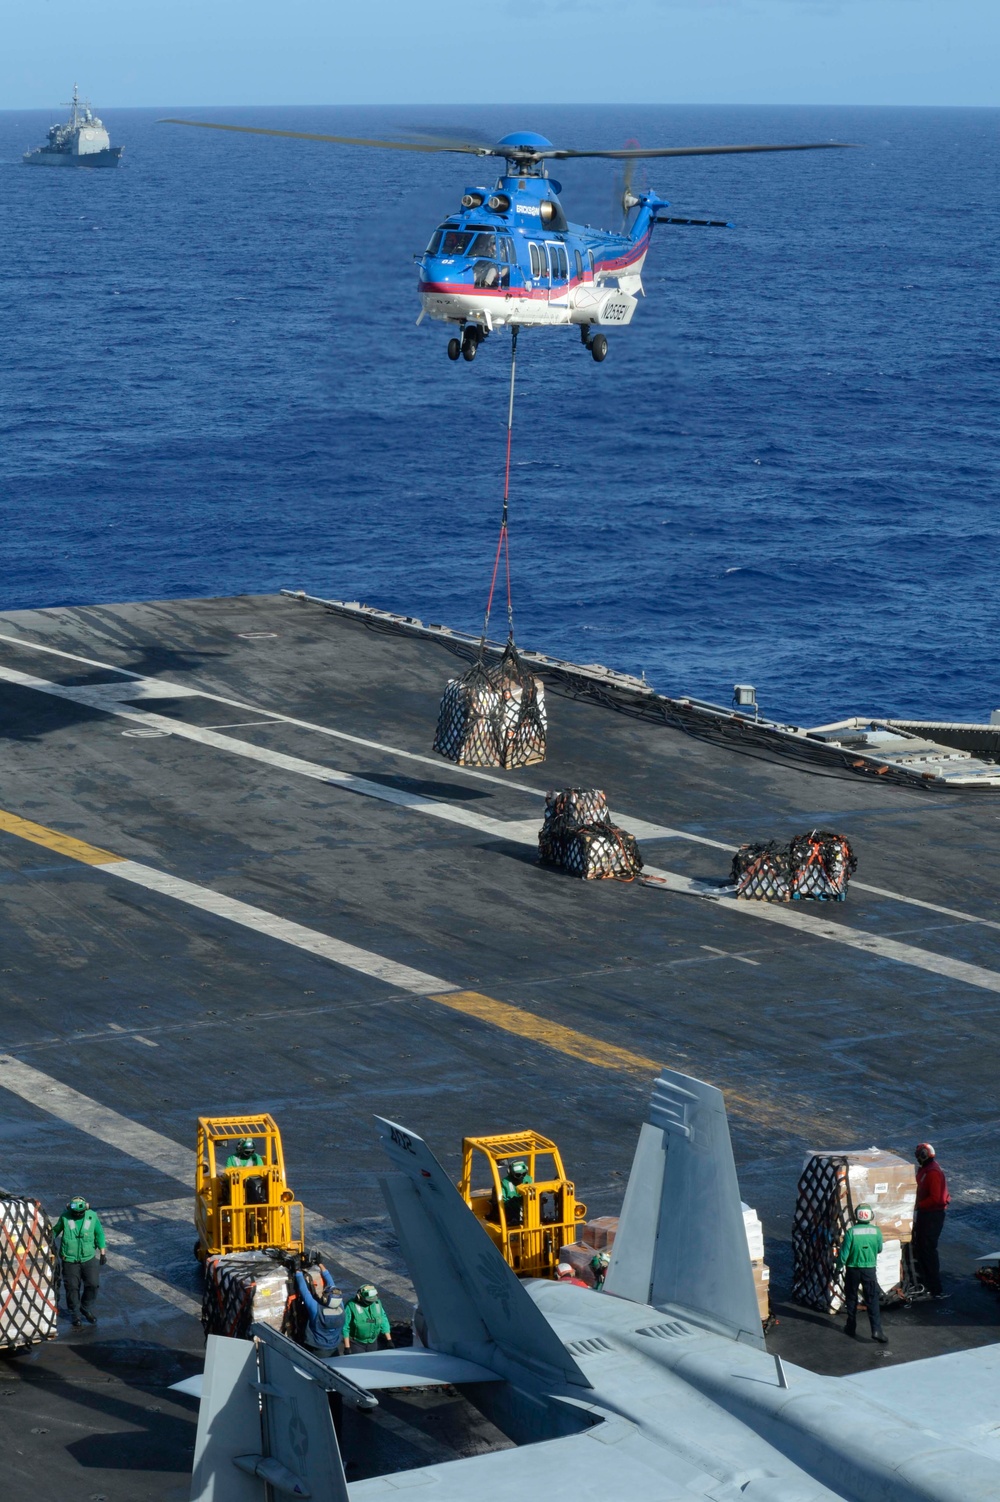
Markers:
247,1206
530,1209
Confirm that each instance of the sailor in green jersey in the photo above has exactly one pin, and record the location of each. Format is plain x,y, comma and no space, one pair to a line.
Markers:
246,1156
858,1257
513,1204
365,1320
79,1239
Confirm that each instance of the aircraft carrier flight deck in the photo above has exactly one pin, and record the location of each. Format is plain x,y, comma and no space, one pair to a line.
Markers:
234,876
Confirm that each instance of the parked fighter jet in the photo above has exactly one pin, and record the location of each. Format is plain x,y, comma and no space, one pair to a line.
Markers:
659,1388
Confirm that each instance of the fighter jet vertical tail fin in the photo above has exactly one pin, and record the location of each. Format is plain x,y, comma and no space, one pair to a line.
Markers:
681,1239
473,1302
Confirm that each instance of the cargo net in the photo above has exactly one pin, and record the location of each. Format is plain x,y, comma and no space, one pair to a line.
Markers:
494,716
578,836
822,1216
815,866
29,1281
244,1287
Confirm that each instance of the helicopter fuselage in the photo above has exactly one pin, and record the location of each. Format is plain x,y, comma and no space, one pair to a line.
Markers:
510,256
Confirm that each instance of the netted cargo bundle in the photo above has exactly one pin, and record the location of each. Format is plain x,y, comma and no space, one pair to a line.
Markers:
29,1279
761,873
494,716
830,1189
822,864
815,866
243,1288
579,837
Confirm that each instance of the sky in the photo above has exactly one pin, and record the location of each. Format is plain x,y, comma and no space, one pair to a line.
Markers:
135,53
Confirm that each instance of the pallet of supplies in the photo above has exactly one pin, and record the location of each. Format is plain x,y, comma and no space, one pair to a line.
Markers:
599,1233
816,866
832,1186
762,1285
578,836
494,716
579,1257
755,1232
244,1288
29,1278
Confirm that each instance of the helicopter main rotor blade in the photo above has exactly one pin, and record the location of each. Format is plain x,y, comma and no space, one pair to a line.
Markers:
627,153
303,135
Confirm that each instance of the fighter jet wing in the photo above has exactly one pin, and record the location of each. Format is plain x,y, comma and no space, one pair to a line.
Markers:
409,1368
957,1395
611,1460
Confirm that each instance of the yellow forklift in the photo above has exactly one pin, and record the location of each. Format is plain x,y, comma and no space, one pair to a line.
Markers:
529,1216
243,1209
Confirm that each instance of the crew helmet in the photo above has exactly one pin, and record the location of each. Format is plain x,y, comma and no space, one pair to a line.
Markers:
865,1214
923,1152
518,1168
248,1145
78,1205
564,1271
367,1294
332,1298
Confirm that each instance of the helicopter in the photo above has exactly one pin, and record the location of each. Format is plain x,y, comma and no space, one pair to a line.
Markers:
509,256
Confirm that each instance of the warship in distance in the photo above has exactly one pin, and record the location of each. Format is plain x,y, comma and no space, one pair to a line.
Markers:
81,142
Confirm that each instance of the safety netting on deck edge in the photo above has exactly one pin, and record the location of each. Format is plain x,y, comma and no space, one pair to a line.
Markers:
578,836
814,866
29,1279
494,716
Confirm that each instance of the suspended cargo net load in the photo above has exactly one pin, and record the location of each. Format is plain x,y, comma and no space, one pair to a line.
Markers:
244,1287
830,1189
816,866
579,837
494,716
29,1280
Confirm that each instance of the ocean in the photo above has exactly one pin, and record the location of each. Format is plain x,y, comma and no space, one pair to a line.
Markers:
785,472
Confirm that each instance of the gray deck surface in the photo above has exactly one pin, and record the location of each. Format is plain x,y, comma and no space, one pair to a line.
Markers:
160,1011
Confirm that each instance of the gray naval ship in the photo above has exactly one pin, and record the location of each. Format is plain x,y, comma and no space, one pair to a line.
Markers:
233,876
81,142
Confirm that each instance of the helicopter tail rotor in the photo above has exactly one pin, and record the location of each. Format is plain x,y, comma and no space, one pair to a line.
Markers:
625,195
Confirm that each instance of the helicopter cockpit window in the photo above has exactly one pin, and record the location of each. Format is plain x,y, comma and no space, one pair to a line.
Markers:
454,243
434,242
483,245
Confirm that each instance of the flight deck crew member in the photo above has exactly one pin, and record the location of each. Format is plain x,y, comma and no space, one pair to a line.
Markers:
324,1306
79,1238
246,1156
365,1320
599,1267
858,1257
928,1222
513,1204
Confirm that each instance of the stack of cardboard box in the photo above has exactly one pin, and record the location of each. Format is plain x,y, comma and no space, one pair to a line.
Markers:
761,1271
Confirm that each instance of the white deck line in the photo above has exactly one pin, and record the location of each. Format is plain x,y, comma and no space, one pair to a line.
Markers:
145,1146
521,831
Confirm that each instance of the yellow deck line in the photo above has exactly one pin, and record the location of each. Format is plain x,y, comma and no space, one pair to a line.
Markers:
565,1040
62,844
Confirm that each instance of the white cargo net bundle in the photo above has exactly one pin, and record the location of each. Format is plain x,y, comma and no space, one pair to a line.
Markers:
28,1277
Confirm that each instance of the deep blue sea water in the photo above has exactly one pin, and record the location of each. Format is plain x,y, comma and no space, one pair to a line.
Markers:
785,473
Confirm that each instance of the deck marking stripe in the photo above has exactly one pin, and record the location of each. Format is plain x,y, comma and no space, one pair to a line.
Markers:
419,983
145,1146
63,844
507,829
788,916
364,961
565,1040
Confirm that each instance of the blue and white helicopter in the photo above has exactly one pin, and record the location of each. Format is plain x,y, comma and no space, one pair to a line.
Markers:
509,256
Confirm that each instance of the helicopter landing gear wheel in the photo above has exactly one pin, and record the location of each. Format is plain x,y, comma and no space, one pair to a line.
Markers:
599,347
470,343
454,348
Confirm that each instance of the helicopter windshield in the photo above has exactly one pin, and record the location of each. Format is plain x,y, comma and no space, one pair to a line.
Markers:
454,243
484,245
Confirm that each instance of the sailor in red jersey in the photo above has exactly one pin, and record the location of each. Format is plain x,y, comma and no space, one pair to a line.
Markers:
928,1222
